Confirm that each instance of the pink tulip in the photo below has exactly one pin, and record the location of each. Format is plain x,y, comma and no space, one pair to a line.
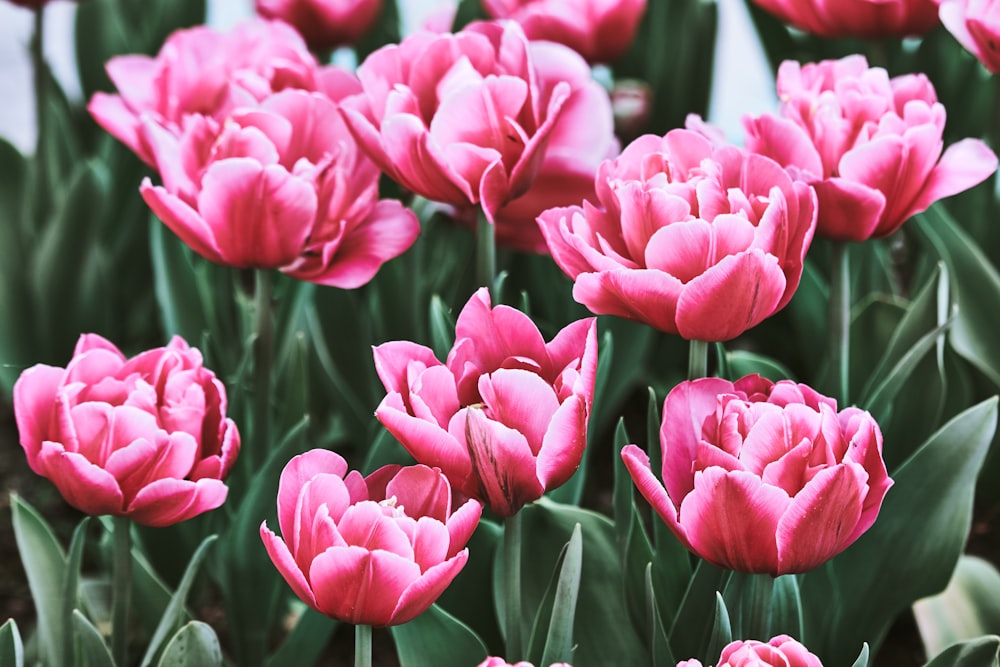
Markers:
763,477
279,185
693,239
465,119
202,71
976,25
500,662
325,24
506,416
599,30
782,651
374,550
146,437
870,145
869,19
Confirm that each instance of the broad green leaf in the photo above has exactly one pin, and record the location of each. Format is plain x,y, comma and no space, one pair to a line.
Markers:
305,642
981,652
11,646
968,608
437,638
692,627
469,597
722,631
194,645
91,642
786,608
559,643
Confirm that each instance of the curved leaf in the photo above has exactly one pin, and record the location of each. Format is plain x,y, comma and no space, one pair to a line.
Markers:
194,645
437,638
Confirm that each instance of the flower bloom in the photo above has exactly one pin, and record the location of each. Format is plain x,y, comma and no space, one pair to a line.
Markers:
500,662
599,30
976,25
763,477
278,185
693,239
374,550
506,416
146,437
203,71
464,119
871,146
868,19
325,24
781,651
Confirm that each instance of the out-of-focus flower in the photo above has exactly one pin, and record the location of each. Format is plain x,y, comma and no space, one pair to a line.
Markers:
146,438
763,477
278,185
599,30
465,119
976,25
871,146
374,550
700,240
325,24
869,19
500,662
506,416
206,72
781,651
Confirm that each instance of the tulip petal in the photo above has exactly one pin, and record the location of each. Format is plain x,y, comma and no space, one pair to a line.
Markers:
638,466
34,397
425,441
563,444
182,220
847,210
169,501
642,295
520,400
359,586
85,486
422,593
296,473
964,164
283,560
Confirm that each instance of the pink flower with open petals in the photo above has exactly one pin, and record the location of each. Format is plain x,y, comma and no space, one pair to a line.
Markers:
700,240
869,19
279,185
376,550
146,437
871,146
781,651
976,25
763,477
506,416
325,24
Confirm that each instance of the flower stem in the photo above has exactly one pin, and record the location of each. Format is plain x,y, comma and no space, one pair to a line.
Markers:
486,254
512,583
362,646
697,359
263,351
840,319
121,588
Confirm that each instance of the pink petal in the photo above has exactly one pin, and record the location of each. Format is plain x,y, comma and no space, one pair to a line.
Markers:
643,295
421,491
360,587
520,400
422,593
784,142
430,542
565,440
296,473
286,565
85,486
364,525
169,501
462,524
847,210
117,119
392,360
34,398
637,464
182,220
427,442
963,165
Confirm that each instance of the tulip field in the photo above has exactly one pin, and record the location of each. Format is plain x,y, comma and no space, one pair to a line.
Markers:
479,343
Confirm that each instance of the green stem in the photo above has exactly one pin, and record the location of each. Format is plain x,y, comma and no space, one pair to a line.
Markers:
697,359
121,588
38,64
840,319
486,254
362,646
512,583
263,352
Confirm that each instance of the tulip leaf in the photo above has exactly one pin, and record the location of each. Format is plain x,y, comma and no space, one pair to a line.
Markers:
44,563
862,660
465,597
437,638
175,282
442,328
70,594
559,642
305,642
912,548
659,647
691,629
786,608
722,631
969,607
749,596
980,652
91,642
741,363
11,646
194,645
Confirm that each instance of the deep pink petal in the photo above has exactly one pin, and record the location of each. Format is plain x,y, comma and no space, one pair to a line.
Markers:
422,593
963,165
638,466
34,398
169,501
847,210
563,445
647,296
182,220
392,360
360,587
85,486
427,442
286,565
299,470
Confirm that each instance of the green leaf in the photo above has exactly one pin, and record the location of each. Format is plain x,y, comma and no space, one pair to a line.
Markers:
11,647
969,607
175,281
722,631
437,638
469,597
692,627
981,652
742,363
70,595
862,660
94,647
912,548
559,643
45,565
194,645
659,647
442,328
749,597
305,642
786,608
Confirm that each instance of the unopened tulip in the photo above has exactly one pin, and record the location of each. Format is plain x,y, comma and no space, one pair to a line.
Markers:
145,438
599,30
763,477
869,19
325,24
781,651
506,416
699,240
871,146
376,550
976,25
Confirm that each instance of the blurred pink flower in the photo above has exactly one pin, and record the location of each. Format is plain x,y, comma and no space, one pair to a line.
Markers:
325,24
203,71
599,30
146,437
376,550
278,185
976,25
870,145
869,19
763,477
506,416
694,239
781,651
465,119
